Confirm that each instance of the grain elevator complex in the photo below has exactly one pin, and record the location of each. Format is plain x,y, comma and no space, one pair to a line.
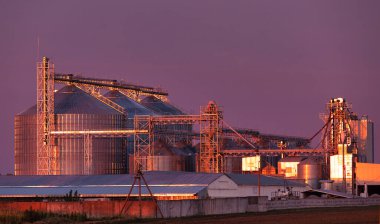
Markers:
103,127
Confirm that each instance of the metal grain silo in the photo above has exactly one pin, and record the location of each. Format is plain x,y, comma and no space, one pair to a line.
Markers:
131,107
310,170
160,107
75,110
25,143
167,158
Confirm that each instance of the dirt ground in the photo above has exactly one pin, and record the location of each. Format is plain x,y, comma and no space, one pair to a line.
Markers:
346,215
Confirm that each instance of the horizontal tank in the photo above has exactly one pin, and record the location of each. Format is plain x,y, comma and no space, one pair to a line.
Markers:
74,110
310,170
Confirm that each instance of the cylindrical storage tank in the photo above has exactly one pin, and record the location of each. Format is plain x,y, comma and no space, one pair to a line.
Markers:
162,163
326,184
25,144
74,110
310,170
132,107
169,163
167,158
160,107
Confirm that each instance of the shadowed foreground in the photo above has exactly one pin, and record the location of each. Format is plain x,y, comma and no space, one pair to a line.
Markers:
309,216
346,215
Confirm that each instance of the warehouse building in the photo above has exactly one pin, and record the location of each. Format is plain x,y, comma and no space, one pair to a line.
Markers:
164,185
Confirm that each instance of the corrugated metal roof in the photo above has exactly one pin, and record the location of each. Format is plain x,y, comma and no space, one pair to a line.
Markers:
132,107
291,159
161,183
153,178
96,190
311,161
252,179
72,100
160,107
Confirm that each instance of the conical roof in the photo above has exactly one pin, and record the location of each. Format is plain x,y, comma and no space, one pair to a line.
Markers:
132,107
72,100
311,161
160,107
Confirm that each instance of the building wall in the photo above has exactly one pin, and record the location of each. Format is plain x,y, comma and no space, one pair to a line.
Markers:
368,173
223,187
251,190
289,169
336,172
182,208
363,130
94,209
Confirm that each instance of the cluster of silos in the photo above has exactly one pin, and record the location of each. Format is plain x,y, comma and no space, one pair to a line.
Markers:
308,169
76,110
167,157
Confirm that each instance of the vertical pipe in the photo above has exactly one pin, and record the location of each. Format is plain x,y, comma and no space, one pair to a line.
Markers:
140,207
259,183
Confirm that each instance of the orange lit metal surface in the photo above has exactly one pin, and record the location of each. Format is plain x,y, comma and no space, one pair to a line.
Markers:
251,163
45,120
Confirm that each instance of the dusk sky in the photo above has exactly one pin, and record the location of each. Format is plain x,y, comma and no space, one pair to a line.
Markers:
271,65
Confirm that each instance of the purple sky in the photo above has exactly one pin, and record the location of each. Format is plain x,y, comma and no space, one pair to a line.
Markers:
272,65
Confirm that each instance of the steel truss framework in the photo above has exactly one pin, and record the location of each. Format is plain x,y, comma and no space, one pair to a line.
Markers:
129,90
271,152
146,127
144,138
210,133
210,160
94,91
46,164
47,154
339,132
143,144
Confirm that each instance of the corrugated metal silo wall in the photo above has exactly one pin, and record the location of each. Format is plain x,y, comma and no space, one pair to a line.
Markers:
108,154
167,163
25,145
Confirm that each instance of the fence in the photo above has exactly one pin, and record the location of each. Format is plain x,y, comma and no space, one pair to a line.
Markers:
182,208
